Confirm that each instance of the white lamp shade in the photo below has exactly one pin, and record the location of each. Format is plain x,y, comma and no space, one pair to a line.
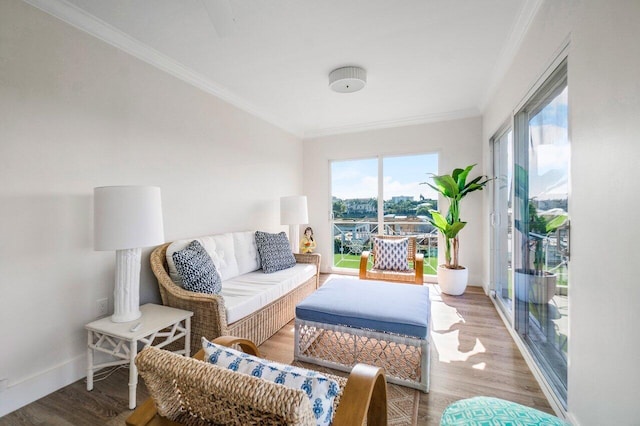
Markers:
293,210
127,217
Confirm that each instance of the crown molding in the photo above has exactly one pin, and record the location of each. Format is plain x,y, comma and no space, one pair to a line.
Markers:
80,19
384,124
510,49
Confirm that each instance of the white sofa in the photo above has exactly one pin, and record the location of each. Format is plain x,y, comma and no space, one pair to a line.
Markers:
252,304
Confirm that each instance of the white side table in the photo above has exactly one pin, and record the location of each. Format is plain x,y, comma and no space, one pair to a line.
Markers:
117,339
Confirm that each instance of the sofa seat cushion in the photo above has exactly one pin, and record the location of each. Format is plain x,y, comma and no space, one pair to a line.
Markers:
249,292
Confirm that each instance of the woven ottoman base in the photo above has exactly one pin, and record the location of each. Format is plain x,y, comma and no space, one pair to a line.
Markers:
405,359
348,321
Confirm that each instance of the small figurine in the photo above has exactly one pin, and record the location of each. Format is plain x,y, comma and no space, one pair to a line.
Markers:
307,244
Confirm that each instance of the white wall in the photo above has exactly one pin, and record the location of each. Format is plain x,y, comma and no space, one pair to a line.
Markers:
604,106
76,113
458,144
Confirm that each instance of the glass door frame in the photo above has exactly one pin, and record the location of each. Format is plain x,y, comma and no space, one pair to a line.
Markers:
496,263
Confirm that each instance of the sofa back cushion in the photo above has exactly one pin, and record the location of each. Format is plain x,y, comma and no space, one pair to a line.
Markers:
246,252
221,248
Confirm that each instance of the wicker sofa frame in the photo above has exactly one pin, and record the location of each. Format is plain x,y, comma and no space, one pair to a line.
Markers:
209,315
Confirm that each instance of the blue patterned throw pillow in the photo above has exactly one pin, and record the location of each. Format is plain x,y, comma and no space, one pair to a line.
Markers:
391,255
320,390
275,251
195,267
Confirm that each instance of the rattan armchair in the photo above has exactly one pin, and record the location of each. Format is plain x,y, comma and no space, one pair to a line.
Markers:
187,391
413,276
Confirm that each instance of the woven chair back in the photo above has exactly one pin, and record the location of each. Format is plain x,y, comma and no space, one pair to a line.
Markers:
192,392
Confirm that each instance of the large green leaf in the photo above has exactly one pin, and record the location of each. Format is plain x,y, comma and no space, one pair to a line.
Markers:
556,222
454,229
473,187
446,186
439,221
461,177
455,173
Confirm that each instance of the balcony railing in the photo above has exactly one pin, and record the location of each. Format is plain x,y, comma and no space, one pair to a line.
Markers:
352,237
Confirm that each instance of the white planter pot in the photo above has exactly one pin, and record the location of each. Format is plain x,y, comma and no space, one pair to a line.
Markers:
452,281
538,289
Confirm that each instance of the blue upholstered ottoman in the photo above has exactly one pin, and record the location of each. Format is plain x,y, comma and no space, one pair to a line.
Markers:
485,411
347,321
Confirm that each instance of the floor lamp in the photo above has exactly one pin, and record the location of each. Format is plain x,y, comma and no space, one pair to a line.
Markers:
293,212
127,218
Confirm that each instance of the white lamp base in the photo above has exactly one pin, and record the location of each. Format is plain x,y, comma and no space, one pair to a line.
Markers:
126,296
294,238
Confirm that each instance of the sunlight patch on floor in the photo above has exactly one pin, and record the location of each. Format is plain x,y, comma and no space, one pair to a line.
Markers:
448,347
447,323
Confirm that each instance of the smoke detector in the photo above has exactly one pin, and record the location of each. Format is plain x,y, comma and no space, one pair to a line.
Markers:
347,79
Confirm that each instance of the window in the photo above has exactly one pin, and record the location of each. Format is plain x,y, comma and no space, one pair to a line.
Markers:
382,195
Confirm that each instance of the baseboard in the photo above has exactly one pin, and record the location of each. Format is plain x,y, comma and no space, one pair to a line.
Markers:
26,391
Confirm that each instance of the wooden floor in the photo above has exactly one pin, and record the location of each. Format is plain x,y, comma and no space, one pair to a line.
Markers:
471,354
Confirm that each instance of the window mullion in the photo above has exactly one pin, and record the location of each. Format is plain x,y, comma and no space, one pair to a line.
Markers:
380,196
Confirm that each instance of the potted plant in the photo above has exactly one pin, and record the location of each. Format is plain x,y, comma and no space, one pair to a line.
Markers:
452,277
533,283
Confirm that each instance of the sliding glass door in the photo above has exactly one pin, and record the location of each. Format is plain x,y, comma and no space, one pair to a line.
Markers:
382,195
530,227
540,228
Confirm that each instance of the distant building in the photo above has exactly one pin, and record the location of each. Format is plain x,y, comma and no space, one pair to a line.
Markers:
361,205
400,198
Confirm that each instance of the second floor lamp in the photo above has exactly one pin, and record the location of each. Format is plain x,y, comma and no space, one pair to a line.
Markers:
293,212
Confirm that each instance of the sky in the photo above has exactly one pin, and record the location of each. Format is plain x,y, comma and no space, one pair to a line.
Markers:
550,150
402,177
403,174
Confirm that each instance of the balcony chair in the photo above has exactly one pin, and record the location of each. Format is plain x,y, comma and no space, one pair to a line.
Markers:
188,391
412,276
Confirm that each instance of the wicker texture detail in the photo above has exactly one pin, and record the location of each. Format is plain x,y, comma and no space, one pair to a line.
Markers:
192,392
209,316
405,359
413,276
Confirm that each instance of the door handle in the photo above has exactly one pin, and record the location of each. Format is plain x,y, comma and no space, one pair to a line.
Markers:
495,219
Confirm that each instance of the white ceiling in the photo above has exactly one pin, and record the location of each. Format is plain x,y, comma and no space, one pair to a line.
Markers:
426,60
